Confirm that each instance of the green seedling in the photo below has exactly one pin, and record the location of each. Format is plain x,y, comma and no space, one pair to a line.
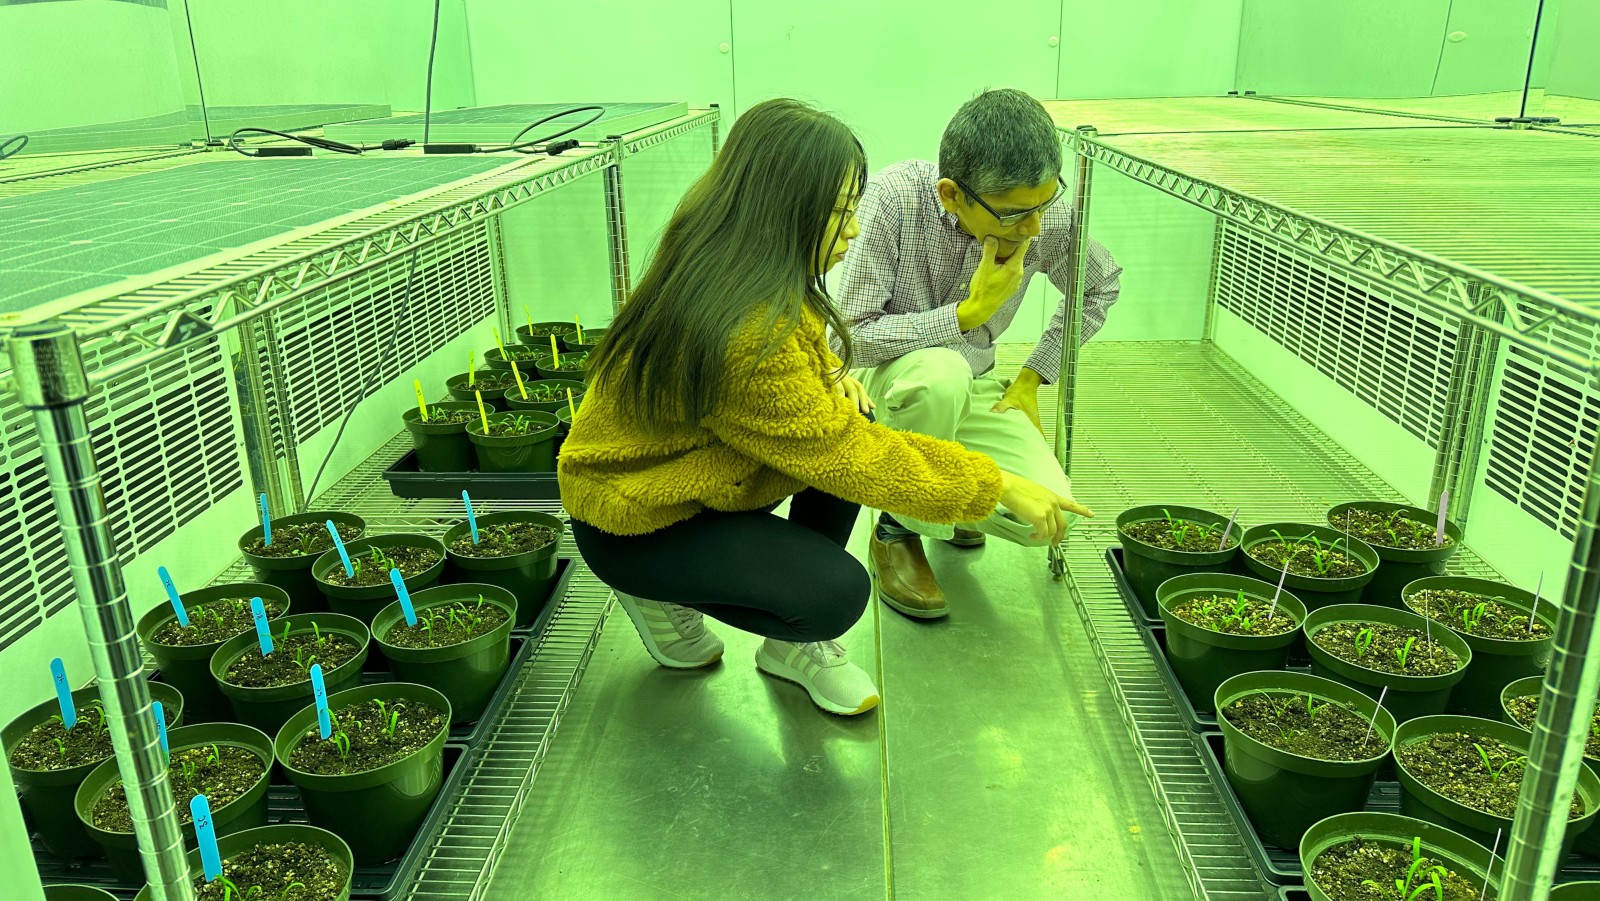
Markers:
1496,772
1313,708
1402,654
289,888
383,709
304,660
215,756
100,724
1423,878
308,544
61,746
394,723
1176,528
427,626
341,743
318,631
1475,617
285,631
1363,641
188,768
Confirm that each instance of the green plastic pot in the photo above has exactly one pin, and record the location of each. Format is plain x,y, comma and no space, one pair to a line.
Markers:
1468,859
1398,568
1418,800
1315,592
441,447
1576,891
534,452
188,667
591,340
1409,696
248,811
563,429
525,334
1148,566
267,708
495,360
78,893
461,391
529,577
543,364
293,574
514,401
378,811
364,602
1589,842
1203,659
46,795
1283,793
283,833
1496,662
467,673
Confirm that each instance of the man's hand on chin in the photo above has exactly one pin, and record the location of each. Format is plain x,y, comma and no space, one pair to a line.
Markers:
1023,395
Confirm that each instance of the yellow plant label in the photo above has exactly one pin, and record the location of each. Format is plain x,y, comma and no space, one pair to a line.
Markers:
422,405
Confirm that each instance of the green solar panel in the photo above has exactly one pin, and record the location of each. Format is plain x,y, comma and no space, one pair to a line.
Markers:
499,124
182,127
56,243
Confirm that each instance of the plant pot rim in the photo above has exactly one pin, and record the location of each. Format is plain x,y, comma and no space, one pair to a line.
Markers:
304,833
84,800
474,429
1369,557
289,734
158,616
1511,596
529,516
1154,512
310,516
1303,683
392,616
330,558
1340,828
23,723
1170,592
1333,614
335,623
1396,554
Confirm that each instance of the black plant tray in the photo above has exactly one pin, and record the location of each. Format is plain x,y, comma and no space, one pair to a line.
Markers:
565,569
384,882
1282,867
406,480
1125,588
471,735
1293,893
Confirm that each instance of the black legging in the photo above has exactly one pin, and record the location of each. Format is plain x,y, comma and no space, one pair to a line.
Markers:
789,579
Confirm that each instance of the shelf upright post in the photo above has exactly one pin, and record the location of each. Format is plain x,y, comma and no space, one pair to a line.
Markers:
1466,410
259,440
617,224
295,493
716,129
1072,325
53,385
497,274
1566,703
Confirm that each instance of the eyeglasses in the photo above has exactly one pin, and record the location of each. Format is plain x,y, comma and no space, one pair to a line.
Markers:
1014,218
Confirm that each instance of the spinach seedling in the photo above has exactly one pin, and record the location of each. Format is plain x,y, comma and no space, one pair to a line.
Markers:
1363,641
1475,617
1424,878
1404,653
1496,772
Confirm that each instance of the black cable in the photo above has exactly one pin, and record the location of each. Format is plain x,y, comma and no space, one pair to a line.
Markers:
20,140
518,145
427,102
322,143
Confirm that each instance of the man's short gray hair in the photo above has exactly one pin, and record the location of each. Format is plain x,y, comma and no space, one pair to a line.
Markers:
1000,140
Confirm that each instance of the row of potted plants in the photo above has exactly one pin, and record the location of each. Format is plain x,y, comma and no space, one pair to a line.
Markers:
518,429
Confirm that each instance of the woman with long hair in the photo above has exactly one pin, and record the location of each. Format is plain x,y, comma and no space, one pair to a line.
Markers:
714,396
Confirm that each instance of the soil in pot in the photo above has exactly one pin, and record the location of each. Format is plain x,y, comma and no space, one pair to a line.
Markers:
372,568
1387,649
1310,557
577,363
504,539
291,659
439,415
223,773
1525,710
1344,871
452,624
288,871
541,331
1479,615
491,383
509,425
519,352
1180,535
216,621
1236,615
1389,530
368,735
1305,727
1477,771
307,540
51,746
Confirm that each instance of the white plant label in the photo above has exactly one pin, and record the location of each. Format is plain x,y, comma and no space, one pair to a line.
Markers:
1444,508
1227,529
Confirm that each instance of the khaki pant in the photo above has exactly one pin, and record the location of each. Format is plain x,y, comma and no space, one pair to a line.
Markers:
933,392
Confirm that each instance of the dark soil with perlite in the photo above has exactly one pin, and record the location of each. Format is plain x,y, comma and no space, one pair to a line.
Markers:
1480,772
223,773
569,363
309,540
504,540
1343,871
51,746
1235,616
291,659
1526,709
1479,615
214,621
511,426
452,624
291,871
372,567
495,383
368,735
1180,535
1306,727
1387,649
437,416
548,393
1390,530
1307,558
520,353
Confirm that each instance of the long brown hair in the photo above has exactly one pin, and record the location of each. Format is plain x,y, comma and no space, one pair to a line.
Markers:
746,237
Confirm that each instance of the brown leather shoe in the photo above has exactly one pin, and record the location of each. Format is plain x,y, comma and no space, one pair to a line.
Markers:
903,579
968,538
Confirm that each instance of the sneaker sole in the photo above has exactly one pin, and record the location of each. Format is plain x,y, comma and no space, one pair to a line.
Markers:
636,617
980,541
779,671
913,612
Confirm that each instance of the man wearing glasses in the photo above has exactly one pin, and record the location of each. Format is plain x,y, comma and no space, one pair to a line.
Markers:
941,267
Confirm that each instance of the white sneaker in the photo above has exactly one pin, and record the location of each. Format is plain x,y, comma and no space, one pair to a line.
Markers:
834,683
675,635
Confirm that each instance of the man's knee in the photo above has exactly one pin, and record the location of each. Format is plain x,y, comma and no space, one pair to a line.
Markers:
932,375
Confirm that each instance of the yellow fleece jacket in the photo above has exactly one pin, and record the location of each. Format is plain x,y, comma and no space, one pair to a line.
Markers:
778,429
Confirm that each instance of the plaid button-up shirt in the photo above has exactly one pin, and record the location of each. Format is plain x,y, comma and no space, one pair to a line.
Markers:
913,264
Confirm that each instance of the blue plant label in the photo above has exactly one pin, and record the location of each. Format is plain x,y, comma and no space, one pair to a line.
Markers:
161,727
266,522
263,631
206,832
172,595
472,521
69,710
405,596
343,554
320,690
